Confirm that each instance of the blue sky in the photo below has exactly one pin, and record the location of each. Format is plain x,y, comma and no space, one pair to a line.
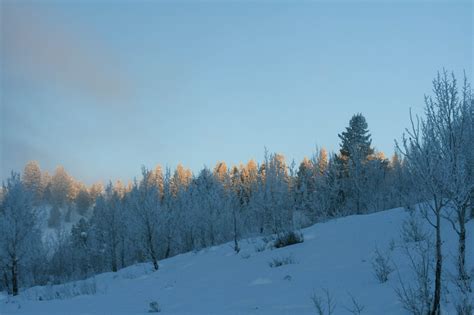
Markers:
104,87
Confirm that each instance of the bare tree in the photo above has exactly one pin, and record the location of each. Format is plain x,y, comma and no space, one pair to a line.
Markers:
451,114
356,308
144,200
417,298
324,305
432,148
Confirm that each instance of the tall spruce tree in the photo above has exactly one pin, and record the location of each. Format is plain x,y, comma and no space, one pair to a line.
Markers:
354,153
356,140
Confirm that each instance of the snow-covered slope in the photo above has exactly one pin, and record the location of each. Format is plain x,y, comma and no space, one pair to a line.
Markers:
335,255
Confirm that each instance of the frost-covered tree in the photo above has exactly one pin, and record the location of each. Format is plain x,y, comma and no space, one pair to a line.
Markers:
32,180
435,149
21,239
96,190
145,204
181,179
82,247
272,199
54,220
83,201
61,185
356,147
156,178
447,130
305,188
109,225
451,112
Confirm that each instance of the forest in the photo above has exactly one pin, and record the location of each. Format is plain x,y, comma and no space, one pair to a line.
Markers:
164,212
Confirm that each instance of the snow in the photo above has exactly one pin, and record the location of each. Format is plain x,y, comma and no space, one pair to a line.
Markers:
336,255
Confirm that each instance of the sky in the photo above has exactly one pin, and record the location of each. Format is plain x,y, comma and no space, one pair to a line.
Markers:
104,87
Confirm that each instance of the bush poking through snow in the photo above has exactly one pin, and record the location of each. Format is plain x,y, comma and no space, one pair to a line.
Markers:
325,304
260,248
62,291
154,307
267,242
464,306
245,255
416,297
281,261
288,238
463,301
355,308
412,229
381,265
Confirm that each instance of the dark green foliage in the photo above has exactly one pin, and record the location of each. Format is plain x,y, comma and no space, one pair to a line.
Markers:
356,140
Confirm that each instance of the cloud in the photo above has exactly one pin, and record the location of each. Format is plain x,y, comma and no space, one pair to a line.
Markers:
41,48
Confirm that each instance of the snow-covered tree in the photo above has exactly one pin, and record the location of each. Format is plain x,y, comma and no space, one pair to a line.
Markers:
61,185
272,200
32,180
83,201
109,225
434,149
145,204
21,240
352,159
305,188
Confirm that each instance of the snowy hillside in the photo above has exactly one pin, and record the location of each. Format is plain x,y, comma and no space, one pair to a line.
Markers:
336,255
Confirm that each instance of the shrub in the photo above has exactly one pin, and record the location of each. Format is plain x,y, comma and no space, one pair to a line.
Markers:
268,242
288,238
62,291
245,255
280,261
412,230
260,248
381,265
416,295
356,308
323,305
154,307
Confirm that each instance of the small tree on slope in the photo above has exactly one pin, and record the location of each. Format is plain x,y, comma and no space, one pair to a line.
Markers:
433,149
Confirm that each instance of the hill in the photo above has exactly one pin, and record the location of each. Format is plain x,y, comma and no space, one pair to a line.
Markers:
336,255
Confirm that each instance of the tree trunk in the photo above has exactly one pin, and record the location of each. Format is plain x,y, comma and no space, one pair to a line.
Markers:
439,259
122,253
236,243
152,253
15,276
155,262
6,282
462,251
168,247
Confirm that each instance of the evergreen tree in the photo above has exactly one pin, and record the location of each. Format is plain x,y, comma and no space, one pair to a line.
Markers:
356,140
351,161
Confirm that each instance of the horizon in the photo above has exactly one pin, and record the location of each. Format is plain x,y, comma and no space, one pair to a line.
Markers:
103,90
